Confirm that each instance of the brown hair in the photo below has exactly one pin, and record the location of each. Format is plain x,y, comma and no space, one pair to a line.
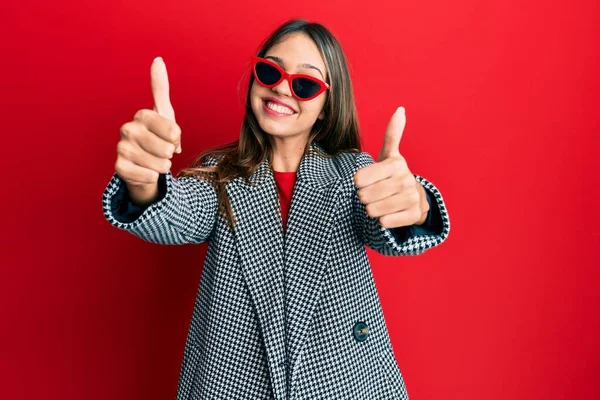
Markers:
337,132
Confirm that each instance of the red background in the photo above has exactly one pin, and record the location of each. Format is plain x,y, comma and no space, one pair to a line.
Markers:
502,109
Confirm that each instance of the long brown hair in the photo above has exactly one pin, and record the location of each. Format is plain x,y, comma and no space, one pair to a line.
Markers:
337,132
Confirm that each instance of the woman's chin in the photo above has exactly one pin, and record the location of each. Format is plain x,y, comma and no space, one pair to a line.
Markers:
273,129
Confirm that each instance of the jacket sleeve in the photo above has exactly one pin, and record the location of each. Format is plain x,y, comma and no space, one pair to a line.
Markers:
185,210
408,240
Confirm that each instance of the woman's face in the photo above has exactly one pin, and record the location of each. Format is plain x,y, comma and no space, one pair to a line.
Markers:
297,53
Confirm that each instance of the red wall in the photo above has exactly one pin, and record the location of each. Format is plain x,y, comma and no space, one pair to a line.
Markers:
502,108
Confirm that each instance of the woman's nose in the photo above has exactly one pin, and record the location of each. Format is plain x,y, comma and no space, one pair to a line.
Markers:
283,88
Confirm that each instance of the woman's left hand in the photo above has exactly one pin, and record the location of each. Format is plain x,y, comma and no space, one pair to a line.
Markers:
387,187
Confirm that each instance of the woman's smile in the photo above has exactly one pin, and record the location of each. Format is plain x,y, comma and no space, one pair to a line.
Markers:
276,108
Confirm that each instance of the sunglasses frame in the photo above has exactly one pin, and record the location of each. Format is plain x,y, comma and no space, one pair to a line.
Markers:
323,86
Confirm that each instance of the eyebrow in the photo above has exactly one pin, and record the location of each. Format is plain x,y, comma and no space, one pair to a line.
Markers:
305,65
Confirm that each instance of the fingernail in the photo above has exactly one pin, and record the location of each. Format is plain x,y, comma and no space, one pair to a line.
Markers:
401,109
178,151
158,58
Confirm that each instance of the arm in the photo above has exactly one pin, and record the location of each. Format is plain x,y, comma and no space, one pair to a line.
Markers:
184,212
408,240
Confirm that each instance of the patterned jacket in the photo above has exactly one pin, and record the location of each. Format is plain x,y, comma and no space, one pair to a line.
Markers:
292,315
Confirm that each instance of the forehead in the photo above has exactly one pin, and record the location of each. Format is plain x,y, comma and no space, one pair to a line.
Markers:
297,48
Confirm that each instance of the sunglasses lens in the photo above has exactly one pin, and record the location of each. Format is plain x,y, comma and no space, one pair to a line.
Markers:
305,88
267,74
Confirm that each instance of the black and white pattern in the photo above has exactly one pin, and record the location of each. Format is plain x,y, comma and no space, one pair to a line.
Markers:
275,313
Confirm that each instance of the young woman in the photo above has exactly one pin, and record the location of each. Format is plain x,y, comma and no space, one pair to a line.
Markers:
287,307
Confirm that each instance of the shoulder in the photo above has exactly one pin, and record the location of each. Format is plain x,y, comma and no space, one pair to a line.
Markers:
348,162
211,160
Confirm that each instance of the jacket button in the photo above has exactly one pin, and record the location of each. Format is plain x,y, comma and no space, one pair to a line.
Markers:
360,331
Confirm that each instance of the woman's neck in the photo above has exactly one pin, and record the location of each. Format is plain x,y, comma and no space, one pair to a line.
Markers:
288,152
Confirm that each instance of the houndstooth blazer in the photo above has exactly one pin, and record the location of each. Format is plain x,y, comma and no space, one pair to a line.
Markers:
283,315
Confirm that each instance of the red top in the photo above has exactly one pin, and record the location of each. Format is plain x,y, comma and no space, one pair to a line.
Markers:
285,186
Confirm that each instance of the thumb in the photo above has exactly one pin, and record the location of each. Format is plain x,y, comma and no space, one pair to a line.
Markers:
159,82
393,135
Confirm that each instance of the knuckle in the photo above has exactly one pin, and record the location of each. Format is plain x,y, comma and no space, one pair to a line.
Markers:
177,130
383,222
120,169
174,133
169,150
126,129
131,130
370,210
124,150
355,179
142,115
120,147
361,196
118,166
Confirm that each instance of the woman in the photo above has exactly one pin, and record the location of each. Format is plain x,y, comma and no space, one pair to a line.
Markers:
287,307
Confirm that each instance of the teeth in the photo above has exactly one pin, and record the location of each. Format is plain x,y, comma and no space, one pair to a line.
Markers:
279,108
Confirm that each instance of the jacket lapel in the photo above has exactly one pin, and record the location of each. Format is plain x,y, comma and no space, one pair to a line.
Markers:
306,252
284,273
259,242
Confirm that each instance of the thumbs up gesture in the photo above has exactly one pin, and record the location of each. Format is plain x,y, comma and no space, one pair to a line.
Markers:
148,142
387,187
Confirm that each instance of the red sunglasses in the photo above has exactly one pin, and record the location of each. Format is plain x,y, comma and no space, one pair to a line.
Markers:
303,87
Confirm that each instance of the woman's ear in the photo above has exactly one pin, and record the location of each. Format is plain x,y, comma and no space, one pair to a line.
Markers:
322,115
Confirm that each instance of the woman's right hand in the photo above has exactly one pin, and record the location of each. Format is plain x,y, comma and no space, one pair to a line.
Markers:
148,142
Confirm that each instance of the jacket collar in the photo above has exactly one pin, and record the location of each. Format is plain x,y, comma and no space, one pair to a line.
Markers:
313,170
